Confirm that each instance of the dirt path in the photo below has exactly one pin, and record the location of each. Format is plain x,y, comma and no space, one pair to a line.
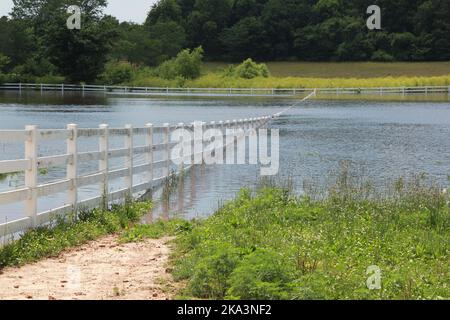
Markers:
99,270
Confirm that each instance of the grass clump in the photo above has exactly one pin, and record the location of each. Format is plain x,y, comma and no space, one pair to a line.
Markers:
272,244
156,230
46,242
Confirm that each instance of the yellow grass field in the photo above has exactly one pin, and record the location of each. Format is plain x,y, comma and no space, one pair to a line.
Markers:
349,69
318,75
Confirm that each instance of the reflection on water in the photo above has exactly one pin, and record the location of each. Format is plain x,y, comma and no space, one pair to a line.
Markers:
387,139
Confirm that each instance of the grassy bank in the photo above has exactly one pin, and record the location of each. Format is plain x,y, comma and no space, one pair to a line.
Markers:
50,242
348,69
216,80
311,75
274,245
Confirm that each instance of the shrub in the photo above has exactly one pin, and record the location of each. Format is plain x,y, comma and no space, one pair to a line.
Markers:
262,275
212,270
382,56
250,69
118,73
187,65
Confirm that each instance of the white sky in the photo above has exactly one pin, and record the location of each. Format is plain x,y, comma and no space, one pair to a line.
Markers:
124,10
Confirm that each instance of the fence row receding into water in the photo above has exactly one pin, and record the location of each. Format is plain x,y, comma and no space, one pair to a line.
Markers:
264,92
156,168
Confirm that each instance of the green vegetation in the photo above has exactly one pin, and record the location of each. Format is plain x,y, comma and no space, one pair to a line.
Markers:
156,230
117,73
271,244
361,70
248,70
325,30
35,45
223,80
186,65
70,232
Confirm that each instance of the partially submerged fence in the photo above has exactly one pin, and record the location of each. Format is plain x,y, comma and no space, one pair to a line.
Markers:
265,92
156,153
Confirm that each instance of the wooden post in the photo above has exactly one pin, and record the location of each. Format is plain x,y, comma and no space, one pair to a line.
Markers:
166,132
149,153
31,175
129,159
103,164
72,151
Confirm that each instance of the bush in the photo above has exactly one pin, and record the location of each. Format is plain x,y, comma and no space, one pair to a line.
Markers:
187,65
250,69
262,275
212,270
118,73
382,56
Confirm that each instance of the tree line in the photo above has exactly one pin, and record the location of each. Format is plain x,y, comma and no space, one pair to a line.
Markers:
35,41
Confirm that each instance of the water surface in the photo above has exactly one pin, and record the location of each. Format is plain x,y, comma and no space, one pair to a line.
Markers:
386,139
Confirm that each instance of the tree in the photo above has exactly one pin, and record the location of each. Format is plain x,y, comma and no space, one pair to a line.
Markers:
17,41
4,60
80,55
247,38
171,38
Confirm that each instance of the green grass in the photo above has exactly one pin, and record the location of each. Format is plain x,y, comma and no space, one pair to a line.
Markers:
51,241
315,75
349,69
155,230
216,80
271,244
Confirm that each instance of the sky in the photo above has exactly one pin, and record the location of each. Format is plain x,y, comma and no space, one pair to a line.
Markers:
124,10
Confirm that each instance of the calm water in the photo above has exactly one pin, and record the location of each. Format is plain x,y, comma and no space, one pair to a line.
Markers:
385,139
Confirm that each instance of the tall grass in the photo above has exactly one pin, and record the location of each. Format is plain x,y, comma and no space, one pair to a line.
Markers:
215,80
272,244
348,69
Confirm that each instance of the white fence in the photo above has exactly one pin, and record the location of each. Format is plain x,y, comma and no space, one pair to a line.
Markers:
160,91
73,159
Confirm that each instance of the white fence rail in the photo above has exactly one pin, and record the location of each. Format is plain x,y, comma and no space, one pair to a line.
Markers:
73,160
161,91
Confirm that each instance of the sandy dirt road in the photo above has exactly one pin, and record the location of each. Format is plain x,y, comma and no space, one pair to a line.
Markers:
99,270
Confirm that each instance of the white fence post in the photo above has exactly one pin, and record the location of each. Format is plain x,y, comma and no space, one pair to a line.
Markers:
149,153
166,132
129,159
72,147
31,175
181,167
222,129
103,164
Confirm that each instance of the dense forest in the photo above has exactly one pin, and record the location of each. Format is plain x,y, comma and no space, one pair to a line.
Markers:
315,30
35,40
